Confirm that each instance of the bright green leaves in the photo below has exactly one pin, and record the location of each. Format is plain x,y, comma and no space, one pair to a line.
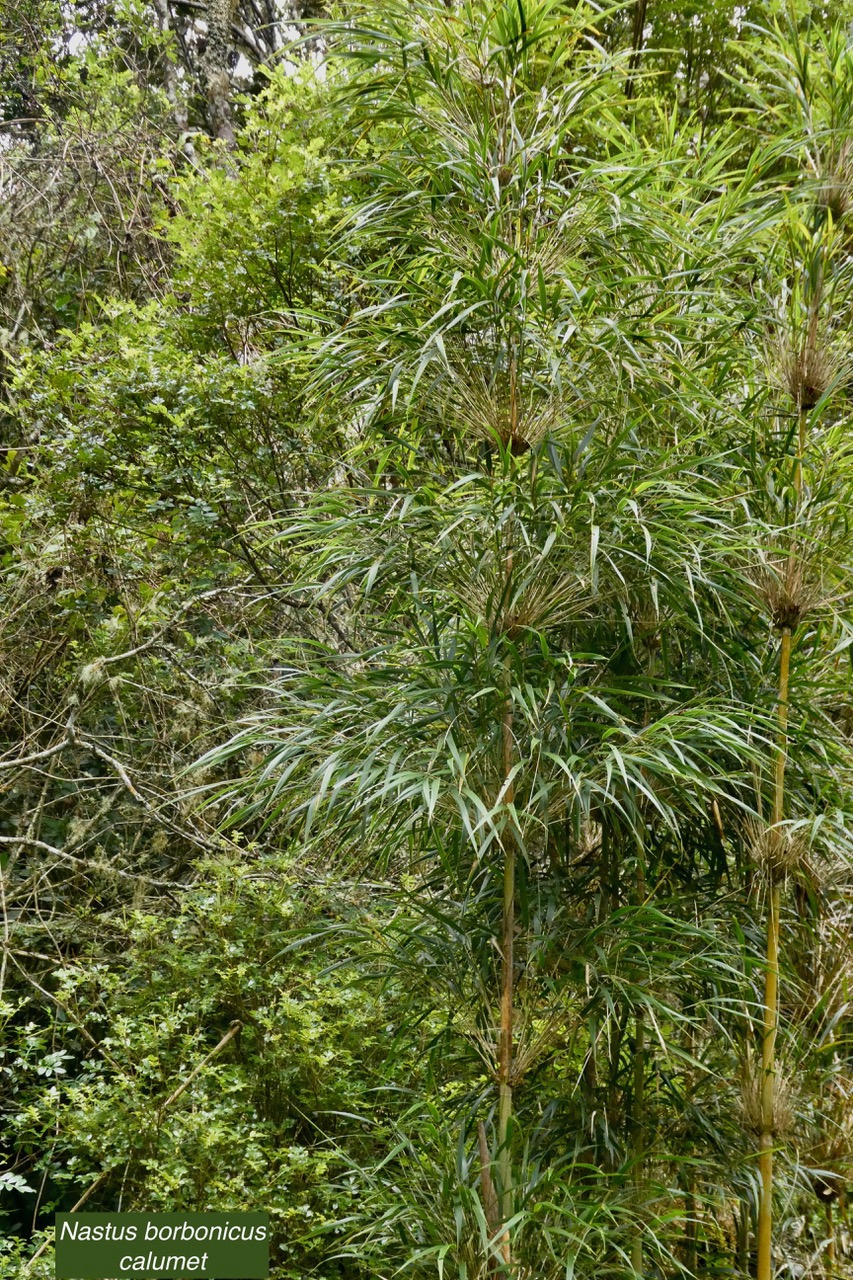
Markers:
251,245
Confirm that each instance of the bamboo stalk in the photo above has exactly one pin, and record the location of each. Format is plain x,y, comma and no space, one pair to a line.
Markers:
639,1122
690,1224
505,1050
764,1265
490,1202
690,1181
742,1257
639,1118
507,1011
771,986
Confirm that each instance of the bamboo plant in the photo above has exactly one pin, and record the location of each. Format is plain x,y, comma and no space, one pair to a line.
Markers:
542,425
810,361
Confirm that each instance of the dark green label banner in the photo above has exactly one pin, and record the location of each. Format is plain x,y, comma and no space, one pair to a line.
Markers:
148,1246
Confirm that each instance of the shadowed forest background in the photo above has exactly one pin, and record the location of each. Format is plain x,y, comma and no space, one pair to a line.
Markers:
426,479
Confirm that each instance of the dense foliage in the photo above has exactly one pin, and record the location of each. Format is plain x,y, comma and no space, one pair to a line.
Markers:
426,623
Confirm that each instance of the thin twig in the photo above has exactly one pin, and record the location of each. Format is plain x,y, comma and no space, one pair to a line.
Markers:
229,1035
83,863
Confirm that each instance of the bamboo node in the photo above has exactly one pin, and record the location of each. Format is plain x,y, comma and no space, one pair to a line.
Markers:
806,368
493,410
784,1099
786,591
835,193
777,851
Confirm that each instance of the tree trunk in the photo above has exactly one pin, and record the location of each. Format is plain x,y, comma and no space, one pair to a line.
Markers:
217,79
636,44
171,86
